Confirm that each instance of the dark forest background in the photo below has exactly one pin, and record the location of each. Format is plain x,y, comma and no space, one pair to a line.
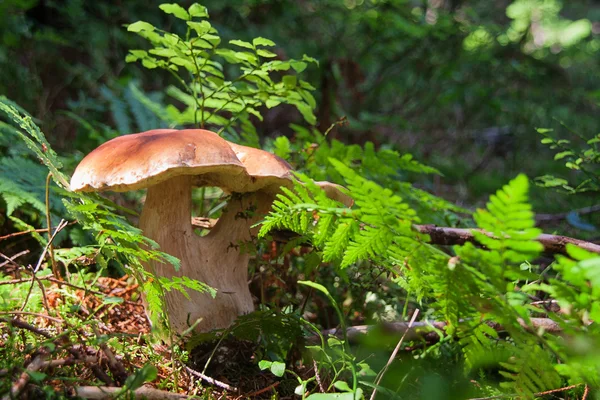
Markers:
462,85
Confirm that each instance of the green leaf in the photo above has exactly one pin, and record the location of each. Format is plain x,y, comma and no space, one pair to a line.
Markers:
563,154
140,26
306,112
201,27
241,43
260,41
264,364
248,57
163,52
310,59
270,103
198,11
36,376
149,63
112,300
289,81
343,386
282,147
147,373
298,66
176,10
278,368
316,286
265,53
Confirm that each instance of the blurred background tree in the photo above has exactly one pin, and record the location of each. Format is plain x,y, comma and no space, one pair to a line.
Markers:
460,84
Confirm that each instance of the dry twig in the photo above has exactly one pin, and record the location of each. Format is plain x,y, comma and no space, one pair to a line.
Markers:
19,385
31,313
11,260
212,381
393,355
145,392
425,330
115,366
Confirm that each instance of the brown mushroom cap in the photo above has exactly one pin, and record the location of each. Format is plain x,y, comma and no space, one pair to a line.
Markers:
268,171
140,160
336,192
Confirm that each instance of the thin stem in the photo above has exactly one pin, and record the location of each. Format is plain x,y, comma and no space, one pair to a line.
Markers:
49,225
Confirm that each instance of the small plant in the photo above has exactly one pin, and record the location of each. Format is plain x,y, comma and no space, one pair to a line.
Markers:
584,160
213,95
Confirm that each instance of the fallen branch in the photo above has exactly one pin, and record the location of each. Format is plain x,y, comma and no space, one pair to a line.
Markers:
23,233
115,366
145,392
553,244
75,352
19,385
210,380
17,323
31,313
11,260
559,216
426,329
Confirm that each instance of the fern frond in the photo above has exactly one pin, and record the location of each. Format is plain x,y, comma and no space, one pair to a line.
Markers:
529,371
370,242
480,346
334,248
35,140
510,220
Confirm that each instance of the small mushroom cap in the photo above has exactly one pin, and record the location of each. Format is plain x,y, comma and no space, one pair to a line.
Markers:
140,160
268,171
336,192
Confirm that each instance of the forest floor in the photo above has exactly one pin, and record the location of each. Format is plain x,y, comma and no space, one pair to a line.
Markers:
103,341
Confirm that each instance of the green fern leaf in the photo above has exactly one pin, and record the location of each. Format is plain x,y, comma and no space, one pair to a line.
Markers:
370,242
335,247
510,220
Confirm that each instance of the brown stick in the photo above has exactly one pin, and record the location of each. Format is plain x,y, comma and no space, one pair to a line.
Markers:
553,244
115,366
393,355
23,233
210,380
31,313
17,323
11,259
424,330
19,385
559,216
145,392
75,352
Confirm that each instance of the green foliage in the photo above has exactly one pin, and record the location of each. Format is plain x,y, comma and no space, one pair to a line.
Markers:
472,291
583,160
213,98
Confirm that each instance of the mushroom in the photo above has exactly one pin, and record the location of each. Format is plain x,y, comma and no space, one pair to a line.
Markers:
169,163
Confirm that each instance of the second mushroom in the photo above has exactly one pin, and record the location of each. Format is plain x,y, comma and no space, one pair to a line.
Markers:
170,163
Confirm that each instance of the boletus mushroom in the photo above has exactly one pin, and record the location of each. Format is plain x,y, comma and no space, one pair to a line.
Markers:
170,163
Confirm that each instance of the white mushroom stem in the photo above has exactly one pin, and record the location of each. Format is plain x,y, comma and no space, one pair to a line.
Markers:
215,259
